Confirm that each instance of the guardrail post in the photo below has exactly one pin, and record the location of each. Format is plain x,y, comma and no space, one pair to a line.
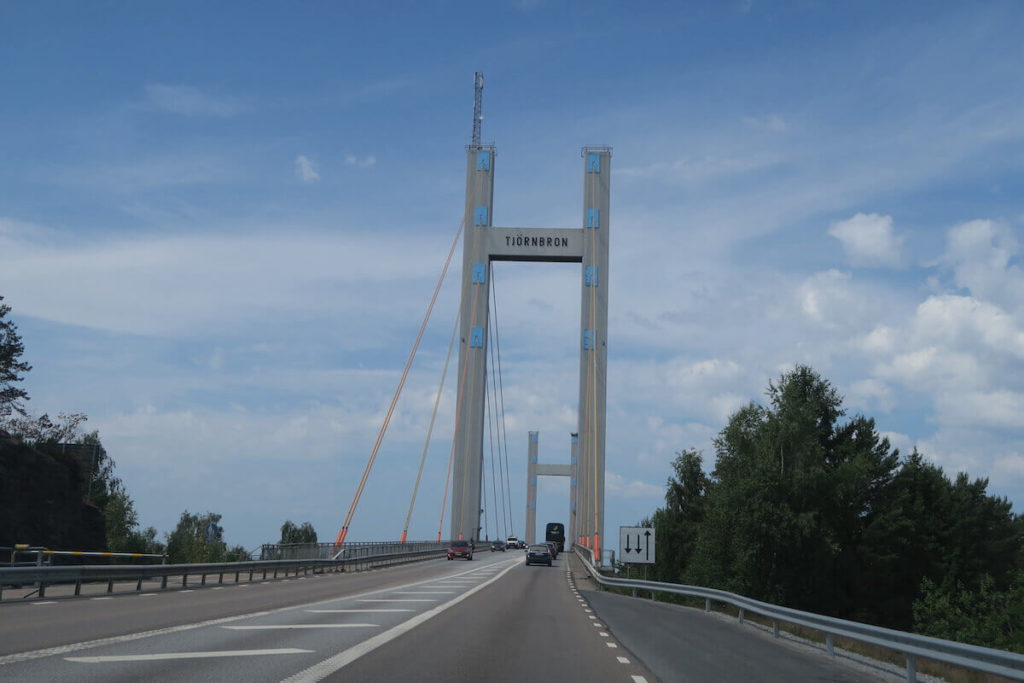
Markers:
634,592
184,579
202,581
40,584
911,669
741,615
830,645
707,604
775,628
138,586
163,579
78,587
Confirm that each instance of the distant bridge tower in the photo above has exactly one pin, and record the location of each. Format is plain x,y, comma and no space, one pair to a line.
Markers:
484,243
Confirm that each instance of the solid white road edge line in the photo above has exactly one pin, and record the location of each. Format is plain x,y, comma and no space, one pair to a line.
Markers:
186,655
113,640
327,667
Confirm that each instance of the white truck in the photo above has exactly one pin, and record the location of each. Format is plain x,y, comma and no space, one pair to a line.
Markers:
512,543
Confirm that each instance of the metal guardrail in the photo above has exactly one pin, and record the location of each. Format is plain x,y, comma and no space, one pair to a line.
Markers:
350,550
911,645
79,574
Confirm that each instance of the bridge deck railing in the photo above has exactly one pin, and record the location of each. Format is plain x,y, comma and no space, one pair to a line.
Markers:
358,560
911,645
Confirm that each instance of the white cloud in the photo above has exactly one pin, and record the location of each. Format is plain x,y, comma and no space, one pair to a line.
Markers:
306,169
869,240
190,101
616,485
772,122
980,253
353,160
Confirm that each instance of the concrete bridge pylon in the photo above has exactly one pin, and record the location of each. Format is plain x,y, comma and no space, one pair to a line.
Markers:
484,243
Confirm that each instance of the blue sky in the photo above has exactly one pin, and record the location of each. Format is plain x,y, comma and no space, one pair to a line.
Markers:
220,226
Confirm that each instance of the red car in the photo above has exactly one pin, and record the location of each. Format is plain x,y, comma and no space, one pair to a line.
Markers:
460,549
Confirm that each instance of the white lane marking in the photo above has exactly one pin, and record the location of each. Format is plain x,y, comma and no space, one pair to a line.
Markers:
146,595
271,627
587,611
186,655
45,602
217,588
639,679
186,591
115,640
592,617
603,634
423,592
327,667
400,600
597,624
622,660
347,611
103,598
611,644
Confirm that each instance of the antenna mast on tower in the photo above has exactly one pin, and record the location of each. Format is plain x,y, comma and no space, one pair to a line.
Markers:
478,106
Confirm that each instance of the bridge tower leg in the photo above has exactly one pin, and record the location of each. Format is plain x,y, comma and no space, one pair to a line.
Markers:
469,411
531,489
594,346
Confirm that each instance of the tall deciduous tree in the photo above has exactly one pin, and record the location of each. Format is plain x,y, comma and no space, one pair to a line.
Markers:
12,369
297,534
677,523
793,489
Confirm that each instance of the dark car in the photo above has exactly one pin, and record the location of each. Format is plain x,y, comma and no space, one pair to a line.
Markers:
498,545
538,553
460,549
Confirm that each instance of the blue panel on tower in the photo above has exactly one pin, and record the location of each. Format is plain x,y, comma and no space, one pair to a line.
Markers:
588,339
533,459
479,274
533,436
476,337
483,161
572,482
481,215
590,276
533,505
533,481
593,218
593,163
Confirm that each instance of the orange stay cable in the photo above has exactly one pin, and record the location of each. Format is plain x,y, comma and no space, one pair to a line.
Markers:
343,532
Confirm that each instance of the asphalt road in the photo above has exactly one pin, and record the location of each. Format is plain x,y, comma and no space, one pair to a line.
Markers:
489,619
492,619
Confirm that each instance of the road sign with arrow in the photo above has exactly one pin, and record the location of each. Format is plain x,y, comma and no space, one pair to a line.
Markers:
636,545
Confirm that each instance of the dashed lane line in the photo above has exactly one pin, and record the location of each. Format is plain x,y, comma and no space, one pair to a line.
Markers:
319,671
359,611
186,655
283,627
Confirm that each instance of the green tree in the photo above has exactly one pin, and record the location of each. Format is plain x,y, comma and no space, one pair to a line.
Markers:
11,368
982,616
189,543
297,534
792,491
677,523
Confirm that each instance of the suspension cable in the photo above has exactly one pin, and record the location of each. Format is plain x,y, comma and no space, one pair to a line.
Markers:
343,532
507,485
430,430
496,374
